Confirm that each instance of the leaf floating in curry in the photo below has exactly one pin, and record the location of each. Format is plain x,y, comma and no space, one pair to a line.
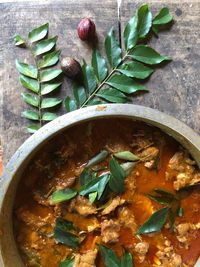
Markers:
98,158
67,263
126,155
62,195
116,182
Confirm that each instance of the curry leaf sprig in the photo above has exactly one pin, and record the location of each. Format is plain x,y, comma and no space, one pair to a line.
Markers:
41,79
127,66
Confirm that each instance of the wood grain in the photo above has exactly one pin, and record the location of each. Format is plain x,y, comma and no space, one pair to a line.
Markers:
174,89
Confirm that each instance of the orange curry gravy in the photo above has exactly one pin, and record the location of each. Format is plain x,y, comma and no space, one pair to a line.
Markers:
62,160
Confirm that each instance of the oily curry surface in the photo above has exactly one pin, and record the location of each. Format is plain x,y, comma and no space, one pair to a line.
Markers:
109,193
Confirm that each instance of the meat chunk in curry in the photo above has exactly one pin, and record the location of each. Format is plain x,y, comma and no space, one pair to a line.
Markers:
109,191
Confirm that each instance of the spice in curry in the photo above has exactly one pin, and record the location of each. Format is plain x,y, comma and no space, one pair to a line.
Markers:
109,193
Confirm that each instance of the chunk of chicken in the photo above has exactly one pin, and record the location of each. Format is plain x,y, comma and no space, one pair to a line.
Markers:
141,249
127,219
82,206
110,231
182,170
116,202
86,260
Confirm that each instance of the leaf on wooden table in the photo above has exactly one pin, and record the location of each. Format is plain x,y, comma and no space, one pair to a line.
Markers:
79,93
44,46
50,74
163,17
47,88
70,104
26,69
49,116
50,102
148,55
89,78
38,33
135,70
99,66
19,40
125,84
33,128
112,95
49,59
30,99
144,21
31,115
112,48
29,83
131,33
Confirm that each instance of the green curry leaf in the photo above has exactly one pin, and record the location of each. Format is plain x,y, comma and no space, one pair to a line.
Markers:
116,182
62,195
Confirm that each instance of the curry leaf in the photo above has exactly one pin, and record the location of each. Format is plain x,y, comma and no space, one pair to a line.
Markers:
70,104
92,197
44,46
128,167
135,70
116,182
33,128
47,88
29,83
67,263
164,192
38,33
161,199
48,75
144,21
155,222
99,66
126,155
49,116
125,84
50,102
131,33
79,93
97,184
112,48
62,195
89,78
30,99
112,95
63,236
97,158
146,54
87,176
126,260
30,114
49,59
19,41
109,257
163,17
26,69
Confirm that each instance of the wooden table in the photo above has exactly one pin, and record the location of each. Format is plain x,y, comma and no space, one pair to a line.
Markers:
174,89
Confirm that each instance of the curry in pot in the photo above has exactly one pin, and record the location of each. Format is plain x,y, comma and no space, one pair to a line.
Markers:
109,193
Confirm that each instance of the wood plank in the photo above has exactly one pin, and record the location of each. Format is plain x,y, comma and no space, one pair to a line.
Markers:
63,17
174,89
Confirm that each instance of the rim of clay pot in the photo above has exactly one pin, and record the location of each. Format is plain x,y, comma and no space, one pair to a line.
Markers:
9,255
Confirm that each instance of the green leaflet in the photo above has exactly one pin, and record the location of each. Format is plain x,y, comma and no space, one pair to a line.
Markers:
125,84
89,78
33,128
144,21
99,66
29,83
126,155
30,99
146,54
155,222
87,176
135,70
92,197
49,116
62,195
116,182
47,88
48,75
127,260
131,33
101,156
67,263
50,102
38,33
112,48
63,235
44,46
26,69
163,17
70,104
112,95
128,167
31,115
19,41
79,93
97,184
49,59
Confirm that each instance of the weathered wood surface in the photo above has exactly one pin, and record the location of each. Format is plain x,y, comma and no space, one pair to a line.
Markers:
174,89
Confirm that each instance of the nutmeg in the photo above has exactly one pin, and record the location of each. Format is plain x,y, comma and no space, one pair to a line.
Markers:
86,29
71,67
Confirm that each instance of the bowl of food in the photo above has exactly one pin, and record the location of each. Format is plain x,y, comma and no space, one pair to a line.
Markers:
108,185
